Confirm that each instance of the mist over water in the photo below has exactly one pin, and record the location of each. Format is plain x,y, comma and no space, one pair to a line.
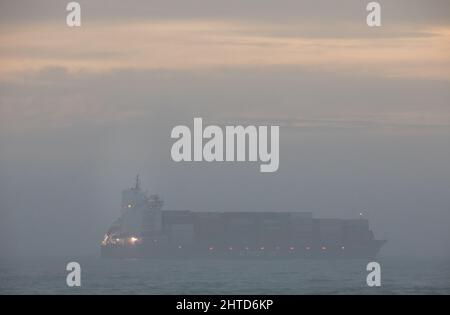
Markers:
60,187
362,130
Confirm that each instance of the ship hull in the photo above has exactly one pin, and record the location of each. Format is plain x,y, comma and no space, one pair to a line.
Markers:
368,251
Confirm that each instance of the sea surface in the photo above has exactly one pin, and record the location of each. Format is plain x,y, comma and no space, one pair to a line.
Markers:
134,276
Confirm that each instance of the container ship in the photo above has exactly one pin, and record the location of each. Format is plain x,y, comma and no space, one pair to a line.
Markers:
145,230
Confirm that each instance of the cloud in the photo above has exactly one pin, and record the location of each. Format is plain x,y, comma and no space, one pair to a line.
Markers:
399,120
201,44
55,99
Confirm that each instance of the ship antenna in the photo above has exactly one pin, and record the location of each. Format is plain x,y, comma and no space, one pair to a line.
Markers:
138,183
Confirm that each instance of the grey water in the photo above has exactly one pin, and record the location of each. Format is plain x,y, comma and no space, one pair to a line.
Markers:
134,276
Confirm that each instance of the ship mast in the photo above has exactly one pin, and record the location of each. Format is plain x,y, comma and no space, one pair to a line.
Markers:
138,183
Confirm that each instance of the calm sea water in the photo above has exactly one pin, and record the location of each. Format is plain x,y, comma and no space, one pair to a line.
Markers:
133,276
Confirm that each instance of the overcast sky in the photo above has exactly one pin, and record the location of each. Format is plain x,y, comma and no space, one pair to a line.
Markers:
364,114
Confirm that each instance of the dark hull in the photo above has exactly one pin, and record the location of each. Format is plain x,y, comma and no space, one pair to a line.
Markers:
366,251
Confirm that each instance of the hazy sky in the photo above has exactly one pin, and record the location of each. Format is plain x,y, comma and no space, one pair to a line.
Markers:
364,114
